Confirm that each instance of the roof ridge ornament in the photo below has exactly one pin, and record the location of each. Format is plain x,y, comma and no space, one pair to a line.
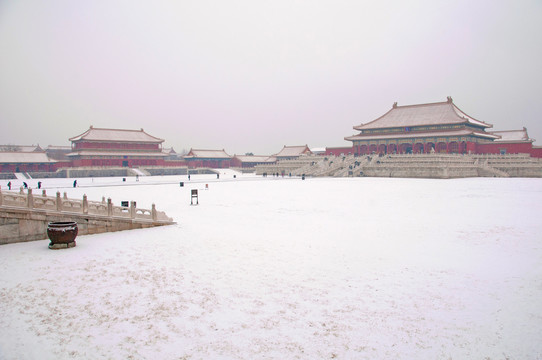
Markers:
449,99
395,105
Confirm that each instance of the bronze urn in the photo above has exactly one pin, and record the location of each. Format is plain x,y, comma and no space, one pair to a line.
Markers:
62,234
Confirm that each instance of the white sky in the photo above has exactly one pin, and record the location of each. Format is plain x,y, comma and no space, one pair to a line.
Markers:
252,76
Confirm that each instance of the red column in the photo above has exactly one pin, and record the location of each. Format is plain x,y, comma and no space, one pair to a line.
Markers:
471,147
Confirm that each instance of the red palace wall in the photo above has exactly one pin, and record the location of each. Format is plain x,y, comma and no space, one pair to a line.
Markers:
52,167
338,151
118,162
536,151
509,148
62,164
214,164
236,163
468,147
27,167
174,163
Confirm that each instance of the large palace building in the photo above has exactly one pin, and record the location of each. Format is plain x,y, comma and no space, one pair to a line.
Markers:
115,147
436,127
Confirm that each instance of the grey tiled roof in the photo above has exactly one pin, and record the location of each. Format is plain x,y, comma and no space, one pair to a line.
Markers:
120,135
423,114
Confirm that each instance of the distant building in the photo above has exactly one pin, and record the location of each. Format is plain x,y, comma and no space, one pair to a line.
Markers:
293,152
116,147
318,151
58,152
20,148
511,141
171,154
435,127
249,161
18,161
207,158
24,158
339,151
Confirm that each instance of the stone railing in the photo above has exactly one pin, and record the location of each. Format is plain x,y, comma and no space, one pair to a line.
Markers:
85,207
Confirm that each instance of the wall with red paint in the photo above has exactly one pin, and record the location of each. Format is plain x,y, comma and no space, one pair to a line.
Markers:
338,151
509,148
536,151
27,167
210,163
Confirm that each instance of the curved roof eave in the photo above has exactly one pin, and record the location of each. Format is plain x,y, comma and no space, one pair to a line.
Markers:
429,114
361,126
419,135
107,135
469,118
80,136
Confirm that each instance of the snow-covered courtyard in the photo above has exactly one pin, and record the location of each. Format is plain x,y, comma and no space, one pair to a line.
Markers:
363,268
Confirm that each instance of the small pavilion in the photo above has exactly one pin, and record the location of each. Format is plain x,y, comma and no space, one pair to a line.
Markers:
293,152
250,161
207,158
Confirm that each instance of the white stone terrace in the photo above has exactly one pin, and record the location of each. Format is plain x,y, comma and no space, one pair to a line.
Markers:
410,165
60,203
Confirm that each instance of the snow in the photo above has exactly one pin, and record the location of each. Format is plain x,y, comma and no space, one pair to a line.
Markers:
364,268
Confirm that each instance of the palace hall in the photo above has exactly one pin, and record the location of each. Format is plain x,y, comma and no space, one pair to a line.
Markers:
435,127
116,147
207,158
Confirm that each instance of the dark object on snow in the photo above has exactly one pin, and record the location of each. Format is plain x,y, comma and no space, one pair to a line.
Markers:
62,234
194,195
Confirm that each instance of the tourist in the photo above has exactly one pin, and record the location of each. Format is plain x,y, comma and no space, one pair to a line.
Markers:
75,183
39,184
9,185
25,185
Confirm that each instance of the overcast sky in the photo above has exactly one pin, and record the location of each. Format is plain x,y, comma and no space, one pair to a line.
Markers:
252,76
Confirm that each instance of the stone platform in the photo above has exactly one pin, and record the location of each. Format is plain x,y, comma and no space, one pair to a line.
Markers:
431,165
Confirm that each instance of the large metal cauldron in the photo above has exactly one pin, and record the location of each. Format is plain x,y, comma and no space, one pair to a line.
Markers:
62,234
